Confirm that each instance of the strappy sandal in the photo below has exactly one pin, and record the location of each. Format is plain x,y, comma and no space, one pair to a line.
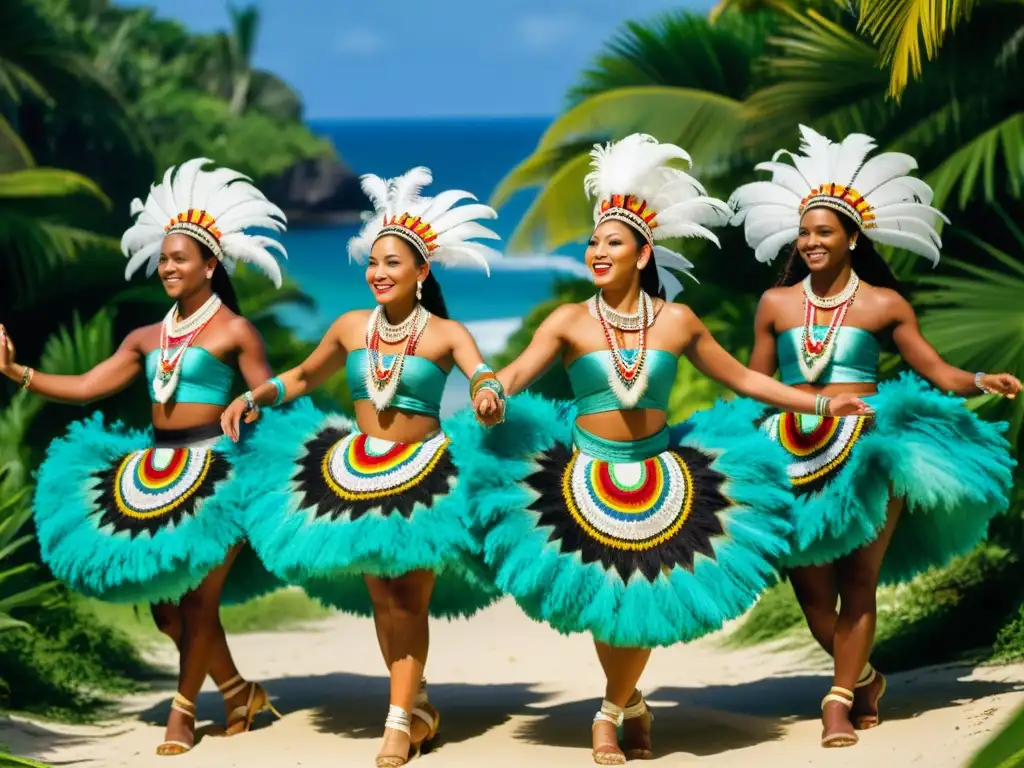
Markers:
634,712
172,748
241,718
842,696
398,720
867,720
425,711
614,714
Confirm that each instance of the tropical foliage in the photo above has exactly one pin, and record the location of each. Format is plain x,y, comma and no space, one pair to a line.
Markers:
939,81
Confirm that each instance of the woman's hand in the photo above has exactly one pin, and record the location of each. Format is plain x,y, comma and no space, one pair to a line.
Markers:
1003,384
849,405
233,416
7,353
489,409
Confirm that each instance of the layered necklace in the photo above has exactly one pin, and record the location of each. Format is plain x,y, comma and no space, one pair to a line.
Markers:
628,374
176,336
816,353
382,378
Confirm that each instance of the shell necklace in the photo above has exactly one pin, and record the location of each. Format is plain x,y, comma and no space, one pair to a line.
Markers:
816,353
176,336
382,378
628,374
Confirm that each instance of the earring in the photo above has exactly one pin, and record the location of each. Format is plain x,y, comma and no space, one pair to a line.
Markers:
853,245
209,275
419,290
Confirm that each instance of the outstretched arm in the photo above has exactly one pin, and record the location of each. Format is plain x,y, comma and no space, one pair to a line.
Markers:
708,356
543,350
922,357
108,378
487,404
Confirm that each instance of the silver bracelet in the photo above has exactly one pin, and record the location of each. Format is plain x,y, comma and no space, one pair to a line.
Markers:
979,385
821,405
250,403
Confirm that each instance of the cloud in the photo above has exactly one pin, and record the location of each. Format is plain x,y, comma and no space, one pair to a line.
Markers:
359,41
545,32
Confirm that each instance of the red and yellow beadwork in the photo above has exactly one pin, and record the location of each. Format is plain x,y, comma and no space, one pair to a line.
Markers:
198,218
359,467
634,205
156,481
847,197
818,447
416,226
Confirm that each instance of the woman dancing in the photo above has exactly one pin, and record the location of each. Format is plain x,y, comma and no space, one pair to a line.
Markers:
382,500
923,452
130,516
599,517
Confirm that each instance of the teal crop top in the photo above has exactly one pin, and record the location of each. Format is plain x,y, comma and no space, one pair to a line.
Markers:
204,379
855,360
588,375
419,390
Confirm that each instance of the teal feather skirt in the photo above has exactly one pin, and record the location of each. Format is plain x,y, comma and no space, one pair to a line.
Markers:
953,470
336,504
639,551
122,521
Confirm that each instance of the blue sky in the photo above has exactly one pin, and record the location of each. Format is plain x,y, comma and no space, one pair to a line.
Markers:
428,59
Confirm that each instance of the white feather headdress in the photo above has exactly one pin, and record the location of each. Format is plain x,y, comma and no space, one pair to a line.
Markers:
888,206
632,182
439,230
212,207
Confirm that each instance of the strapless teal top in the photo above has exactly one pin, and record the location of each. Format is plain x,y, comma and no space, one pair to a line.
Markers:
204,379
855,360
419,390
588,375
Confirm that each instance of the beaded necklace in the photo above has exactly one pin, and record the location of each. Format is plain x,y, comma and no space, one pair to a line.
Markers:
176,336
382,379
627,377
816,354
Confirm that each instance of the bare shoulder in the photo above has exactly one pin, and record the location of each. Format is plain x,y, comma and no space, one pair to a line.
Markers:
778,296
356,318
448,328
569,313
143,339
241,328
884,301
679,315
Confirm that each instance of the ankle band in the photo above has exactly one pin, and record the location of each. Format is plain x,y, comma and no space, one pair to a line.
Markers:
399,720
610,713
867,676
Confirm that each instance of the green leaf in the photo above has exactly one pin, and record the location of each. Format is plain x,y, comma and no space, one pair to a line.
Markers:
47,182
976,164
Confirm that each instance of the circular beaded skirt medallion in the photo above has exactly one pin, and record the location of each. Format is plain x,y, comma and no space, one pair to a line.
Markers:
634,518
156,487
348,473
818,447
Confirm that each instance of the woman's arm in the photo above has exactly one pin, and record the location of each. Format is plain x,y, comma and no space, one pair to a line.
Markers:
543,350
252,354
764,358
922,357
108,378
487,403
712,360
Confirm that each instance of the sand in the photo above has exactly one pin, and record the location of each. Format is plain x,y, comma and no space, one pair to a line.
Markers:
514,693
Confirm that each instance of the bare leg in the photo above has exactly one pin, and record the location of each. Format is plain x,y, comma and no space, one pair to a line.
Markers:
407,645
855,629
817,592
622,669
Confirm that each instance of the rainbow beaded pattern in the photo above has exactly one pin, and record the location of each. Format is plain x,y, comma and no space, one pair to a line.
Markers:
639,518
818,447
156,487
345,474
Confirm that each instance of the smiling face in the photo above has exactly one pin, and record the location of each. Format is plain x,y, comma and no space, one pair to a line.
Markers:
823,241
393,270
615,254
182,268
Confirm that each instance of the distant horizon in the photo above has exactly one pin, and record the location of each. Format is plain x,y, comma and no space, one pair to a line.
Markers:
453,118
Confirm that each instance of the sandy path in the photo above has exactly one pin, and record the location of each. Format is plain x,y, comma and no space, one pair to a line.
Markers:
515,694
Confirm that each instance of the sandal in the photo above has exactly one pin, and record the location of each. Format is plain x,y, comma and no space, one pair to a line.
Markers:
609,754
398,720
865,718
634,712
425,711
241,718
838,738
172,748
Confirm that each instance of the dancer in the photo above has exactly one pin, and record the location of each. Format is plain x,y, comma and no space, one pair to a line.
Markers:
382,500
641,534
923,452
130,516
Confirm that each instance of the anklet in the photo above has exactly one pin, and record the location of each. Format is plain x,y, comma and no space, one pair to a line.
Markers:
610,713
399,720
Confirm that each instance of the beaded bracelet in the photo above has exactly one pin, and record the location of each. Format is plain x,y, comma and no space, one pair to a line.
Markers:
279,386
822,406
250,403
484,378
981,387
26,377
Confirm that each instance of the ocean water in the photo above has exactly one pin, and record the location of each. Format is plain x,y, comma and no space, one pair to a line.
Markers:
469,154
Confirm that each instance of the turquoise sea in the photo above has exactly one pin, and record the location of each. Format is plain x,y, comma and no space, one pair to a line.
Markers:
470,154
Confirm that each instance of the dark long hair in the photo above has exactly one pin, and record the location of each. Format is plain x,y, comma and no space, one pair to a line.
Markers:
867,262
221,281
433,300
650,283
